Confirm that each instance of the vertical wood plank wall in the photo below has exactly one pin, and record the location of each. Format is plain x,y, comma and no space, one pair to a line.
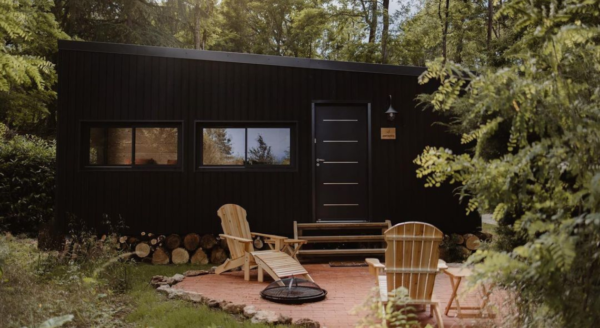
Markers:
104,86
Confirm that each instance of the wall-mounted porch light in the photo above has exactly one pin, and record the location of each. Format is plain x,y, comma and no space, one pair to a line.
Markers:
391,112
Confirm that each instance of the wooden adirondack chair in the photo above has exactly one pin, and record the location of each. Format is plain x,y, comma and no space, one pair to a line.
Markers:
275,262
411,261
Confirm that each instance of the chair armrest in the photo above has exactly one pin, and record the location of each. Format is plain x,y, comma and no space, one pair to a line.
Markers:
267,235
375,267
295,241
442,265
239,239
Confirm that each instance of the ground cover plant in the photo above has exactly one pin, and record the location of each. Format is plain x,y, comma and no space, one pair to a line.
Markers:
92,289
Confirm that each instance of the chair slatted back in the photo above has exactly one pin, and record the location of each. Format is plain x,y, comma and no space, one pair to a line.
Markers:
411,258
234,223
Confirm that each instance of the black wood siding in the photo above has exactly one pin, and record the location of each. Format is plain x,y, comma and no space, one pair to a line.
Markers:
108,86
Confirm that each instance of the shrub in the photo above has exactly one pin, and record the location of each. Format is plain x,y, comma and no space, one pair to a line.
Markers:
81,286
395,313
27,168
543,184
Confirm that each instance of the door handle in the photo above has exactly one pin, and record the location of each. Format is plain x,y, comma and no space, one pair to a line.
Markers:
320,160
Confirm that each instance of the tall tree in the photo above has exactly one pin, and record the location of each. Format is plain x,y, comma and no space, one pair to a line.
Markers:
28,33
385,31
119,21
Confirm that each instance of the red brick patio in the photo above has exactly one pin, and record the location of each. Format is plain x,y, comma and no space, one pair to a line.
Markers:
346,287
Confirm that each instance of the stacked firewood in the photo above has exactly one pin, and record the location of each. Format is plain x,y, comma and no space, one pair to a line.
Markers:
463,245
161,249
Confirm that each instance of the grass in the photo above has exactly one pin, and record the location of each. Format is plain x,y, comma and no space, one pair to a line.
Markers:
97,290
154,310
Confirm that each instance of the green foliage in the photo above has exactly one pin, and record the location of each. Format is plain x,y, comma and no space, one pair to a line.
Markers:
51,289
28,33
535,126
395,313
27,166
117,21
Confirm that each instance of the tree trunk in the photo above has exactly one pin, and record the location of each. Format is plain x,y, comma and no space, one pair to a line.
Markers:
199,257
373,22
197,38
445,22
172,241
208,241
160,256
218,255
180,256
489,24
385,31
191,241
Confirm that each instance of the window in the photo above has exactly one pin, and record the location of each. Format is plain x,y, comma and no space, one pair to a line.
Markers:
132,145
246,145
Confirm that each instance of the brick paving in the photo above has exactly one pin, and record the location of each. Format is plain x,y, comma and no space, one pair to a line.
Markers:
346,287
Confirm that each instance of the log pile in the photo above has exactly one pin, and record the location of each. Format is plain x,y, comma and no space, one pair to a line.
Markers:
160,249
462,246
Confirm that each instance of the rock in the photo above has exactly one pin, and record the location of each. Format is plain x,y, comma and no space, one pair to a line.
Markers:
212,270
195,297
233,308
178,278
176,294
212,303
194,273
270,317
164,289
249,311
307,323
158,281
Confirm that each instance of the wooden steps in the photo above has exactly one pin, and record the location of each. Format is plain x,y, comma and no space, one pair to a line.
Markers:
350,251
346,238
343,239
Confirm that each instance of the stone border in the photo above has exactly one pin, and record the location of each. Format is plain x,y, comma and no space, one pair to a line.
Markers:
164,285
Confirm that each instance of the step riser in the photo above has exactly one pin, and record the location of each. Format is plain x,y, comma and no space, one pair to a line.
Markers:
376,237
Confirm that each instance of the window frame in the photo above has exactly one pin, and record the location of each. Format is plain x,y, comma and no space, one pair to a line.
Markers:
199,125
84,144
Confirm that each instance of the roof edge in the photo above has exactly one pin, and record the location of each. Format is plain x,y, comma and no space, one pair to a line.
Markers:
241,58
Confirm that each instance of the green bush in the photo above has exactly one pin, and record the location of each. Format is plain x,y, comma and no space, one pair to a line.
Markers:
543,186
27,168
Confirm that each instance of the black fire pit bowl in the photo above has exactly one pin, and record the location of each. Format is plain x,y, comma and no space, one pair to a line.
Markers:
293,291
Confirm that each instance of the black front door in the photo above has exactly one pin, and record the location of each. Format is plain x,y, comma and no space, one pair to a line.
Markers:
341,162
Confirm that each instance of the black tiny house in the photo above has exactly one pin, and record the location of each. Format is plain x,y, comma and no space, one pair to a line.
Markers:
163,137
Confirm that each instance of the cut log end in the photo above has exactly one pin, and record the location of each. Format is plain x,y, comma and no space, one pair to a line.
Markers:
199,257
191,241
218,255
472,242
180,256
172,241
142,250
160,256
208,242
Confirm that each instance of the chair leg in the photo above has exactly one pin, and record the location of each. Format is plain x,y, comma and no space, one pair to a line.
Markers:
260,274
247,267
438,315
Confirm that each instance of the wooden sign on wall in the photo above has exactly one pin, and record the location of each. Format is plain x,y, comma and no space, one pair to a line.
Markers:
388,133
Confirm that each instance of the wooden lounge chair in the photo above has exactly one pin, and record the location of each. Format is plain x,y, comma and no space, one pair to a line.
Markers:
276,263
411,261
